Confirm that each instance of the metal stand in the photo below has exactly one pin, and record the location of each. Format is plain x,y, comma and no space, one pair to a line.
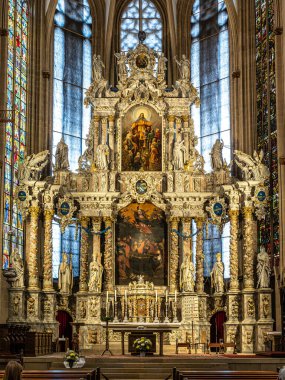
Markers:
107,349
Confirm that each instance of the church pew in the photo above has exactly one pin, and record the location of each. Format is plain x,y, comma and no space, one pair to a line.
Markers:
57,374
224,375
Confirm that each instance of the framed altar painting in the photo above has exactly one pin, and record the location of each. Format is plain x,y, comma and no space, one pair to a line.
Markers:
141,244
141,140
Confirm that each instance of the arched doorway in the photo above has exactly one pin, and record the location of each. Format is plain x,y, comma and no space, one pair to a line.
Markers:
217,326
65,327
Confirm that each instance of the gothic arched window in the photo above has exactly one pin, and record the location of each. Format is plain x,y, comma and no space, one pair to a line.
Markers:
71,77
210,66
141,15
16,119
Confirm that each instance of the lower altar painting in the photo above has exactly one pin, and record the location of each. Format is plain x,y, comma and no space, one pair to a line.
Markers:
141,244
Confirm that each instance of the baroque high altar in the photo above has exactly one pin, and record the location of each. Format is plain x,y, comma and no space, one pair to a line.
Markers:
139,188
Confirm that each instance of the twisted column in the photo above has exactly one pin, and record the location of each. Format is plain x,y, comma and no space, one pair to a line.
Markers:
108,255
234,285
47,281
32,256
199,256
248,248
173,275
83,255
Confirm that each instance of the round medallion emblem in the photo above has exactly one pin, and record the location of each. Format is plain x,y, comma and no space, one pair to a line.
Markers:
141,186
64,208
261,195
218,209
142,61
22,196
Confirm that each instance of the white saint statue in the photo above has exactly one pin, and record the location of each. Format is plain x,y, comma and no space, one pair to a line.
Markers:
61,156
122,67
179,151
102,156
65,275
187,280
184,68
97,69
263,269
18,265
217,275
95,276
216,155
161,66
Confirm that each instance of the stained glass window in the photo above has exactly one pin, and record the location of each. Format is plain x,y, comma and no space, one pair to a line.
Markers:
266,119
210,66
16,115
210,74
141,15
72,76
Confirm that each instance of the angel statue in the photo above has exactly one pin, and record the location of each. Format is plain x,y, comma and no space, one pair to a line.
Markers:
122,67
30,169
179,151
252,167
184,68
263,269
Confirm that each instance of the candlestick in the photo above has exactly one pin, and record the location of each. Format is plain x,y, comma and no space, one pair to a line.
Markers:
156,296
166,295
166,319
125,294
126,308
115,295
156,320
175,296
107,297
175,320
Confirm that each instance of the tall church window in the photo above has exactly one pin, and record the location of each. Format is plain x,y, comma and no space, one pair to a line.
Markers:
266,120
16,117
141,15
71,119
210,65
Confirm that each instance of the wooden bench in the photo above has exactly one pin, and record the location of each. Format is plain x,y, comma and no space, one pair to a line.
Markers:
58,374
220,347
224,375
186,344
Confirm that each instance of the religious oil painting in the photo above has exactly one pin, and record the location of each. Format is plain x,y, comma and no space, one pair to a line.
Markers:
141,244
141,140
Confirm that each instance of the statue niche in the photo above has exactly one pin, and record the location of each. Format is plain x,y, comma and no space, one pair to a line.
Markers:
141,140
140,244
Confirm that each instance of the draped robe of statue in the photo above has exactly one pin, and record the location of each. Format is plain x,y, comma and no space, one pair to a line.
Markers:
65,275
217,275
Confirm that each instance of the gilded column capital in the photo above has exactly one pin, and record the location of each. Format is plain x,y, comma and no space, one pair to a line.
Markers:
48,213
34,211
96,118
247,211
111,118
185,118
233,213
171,118
84,220
199,220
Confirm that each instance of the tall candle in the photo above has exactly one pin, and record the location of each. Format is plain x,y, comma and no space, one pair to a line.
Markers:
166,295
125,294
156,295
107,298
175,296
115,295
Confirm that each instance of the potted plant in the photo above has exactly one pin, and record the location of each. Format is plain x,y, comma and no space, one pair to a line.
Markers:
71,357
142,345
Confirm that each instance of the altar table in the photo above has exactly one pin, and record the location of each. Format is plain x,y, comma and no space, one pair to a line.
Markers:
136,328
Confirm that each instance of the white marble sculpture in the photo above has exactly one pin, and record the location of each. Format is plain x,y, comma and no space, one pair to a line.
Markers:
18,265
217,275
263,269
161,66
65,275
216,155
30,169
179,151
61,156
252,167
121,62
95,276
187,279
97,68
184,68
102,157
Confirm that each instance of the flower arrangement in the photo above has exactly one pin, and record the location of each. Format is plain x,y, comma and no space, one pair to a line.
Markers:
142,344
71,357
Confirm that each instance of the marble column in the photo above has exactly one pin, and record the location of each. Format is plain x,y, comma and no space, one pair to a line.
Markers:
32,256
234,218
199,256
111,132
47,272
108,255
185,119
174,256
83,255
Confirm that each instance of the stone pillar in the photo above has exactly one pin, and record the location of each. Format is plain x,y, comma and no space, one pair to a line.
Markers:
234,284
171,119
178,129
174,257
96,224
111,131
83,255
47,272
187,243
108,255
185,119
264,322
96,119
32,256
199,256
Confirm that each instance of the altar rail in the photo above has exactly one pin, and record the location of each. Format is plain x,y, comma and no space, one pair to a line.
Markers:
69,374
224,375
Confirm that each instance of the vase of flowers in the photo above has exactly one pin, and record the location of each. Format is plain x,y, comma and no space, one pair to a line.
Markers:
71,357
142,345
